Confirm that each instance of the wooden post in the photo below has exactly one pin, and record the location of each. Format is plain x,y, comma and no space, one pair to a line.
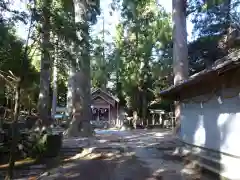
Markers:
109,113
153,118
117,116
160,118
98,118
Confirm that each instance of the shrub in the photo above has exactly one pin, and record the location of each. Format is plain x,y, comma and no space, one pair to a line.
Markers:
47,145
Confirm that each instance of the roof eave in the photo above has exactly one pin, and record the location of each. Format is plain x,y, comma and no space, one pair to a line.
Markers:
173,92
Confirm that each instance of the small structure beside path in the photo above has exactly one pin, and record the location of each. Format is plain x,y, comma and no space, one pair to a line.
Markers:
210,115
157,116
105,110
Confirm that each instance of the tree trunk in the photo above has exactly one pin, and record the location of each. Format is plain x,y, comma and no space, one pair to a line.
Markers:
55,81
13,148
227,9
118,61
72,69
144,108
104,83
43,102
180,51
70,91
80,124
135,119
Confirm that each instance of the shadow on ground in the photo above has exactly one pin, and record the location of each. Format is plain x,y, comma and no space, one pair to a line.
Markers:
130,155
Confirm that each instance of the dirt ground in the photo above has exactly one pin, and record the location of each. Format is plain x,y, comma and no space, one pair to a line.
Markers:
125,155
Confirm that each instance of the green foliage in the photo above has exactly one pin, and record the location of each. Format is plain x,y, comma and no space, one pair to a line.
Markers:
131,62
39,147
47,145
213,20
11,57
102,64
204,51
142,53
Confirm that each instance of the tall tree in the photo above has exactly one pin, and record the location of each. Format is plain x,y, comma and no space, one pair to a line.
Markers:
72,62
101,63
180,50
55,80
144,30
80,124
44,100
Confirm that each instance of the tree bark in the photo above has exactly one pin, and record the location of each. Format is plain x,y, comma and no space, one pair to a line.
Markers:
180,51
72,67
227,9
70,91
44,100
55,81
13,148
80,124
104,83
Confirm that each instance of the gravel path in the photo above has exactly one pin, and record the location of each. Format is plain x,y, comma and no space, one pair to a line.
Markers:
128,155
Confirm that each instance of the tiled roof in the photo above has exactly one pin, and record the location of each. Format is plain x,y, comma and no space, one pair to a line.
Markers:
226,63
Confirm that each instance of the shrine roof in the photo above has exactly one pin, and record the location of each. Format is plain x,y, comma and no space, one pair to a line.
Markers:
221,66
100,91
